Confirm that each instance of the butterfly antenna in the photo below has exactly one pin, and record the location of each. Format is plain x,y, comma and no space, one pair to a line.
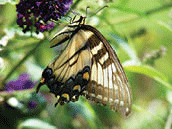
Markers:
87,10
101,9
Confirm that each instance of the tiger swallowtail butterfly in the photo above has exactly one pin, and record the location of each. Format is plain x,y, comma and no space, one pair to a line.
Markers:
87,66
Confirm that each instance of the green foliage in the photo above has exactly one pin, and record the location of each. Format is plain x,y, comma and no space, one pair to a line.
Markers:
35,124
133,28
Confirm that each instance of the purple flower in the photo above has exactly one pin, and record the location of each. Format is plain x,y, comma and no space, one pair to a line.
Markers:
38,13
23,82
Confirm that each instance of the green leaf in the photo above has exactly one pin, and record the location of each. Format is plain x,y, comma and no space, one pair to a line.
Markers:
7,1
83,106
35,124
150,72
161,23
146,70
166,84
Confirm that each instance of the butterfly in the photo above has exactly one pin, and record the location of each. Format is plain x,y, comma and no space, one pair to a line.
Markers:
87,66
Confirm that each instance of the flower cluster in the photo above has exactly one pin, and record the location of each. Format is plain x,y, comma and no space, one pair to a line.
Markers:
22,83
26,102
38,13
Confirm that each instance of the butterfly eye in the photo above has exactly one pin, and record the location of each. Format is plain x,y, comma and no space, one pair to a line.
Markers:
48,72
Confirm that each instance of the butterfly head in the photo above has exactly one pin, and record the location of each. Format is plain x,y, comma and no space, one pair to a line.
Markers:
82,20
78,21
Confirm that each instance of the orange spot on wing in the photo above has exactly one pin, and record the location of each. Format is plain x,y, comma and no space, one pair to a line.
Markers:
86,75
42,80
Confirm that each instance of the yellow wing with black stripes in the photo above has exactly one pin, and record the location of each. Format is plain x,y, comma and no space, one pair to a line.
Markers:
87,66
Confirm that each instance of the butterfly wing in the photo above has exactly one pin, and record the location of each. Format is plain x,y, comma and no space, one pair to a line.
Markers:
73,59
108,82
88,65
68,74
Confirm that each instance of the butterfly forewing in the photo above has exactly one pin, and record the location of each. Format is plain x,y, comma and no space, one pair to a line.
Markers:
87,66
108,82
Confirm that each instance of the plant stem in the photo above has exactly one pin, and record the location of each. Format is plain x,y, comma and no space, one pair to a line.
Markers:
23,60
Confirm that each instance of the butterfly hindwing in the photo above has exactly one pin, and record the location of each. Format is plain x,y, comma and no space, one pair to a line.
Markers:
87,66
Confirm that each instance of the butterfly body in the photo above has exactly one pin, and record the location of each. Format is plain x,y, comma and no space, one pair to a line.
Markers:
87,66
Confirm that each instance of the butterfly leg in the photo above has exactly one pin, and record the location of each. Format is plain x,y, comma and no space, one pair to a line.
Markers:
39,86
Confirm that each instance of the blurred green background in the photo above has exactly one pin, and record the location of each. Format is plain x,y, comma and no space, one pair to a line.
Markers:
141,33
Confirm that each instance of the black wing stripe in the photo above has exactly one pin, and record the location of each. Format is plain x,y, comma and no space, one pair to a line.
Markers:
73,60
97,48
104,58
62,41
100,53
81,49
107,63
93,41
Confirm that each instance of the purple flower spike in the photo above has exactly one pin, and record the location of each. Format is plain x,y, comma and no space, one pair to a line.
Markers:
39,13
22,83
